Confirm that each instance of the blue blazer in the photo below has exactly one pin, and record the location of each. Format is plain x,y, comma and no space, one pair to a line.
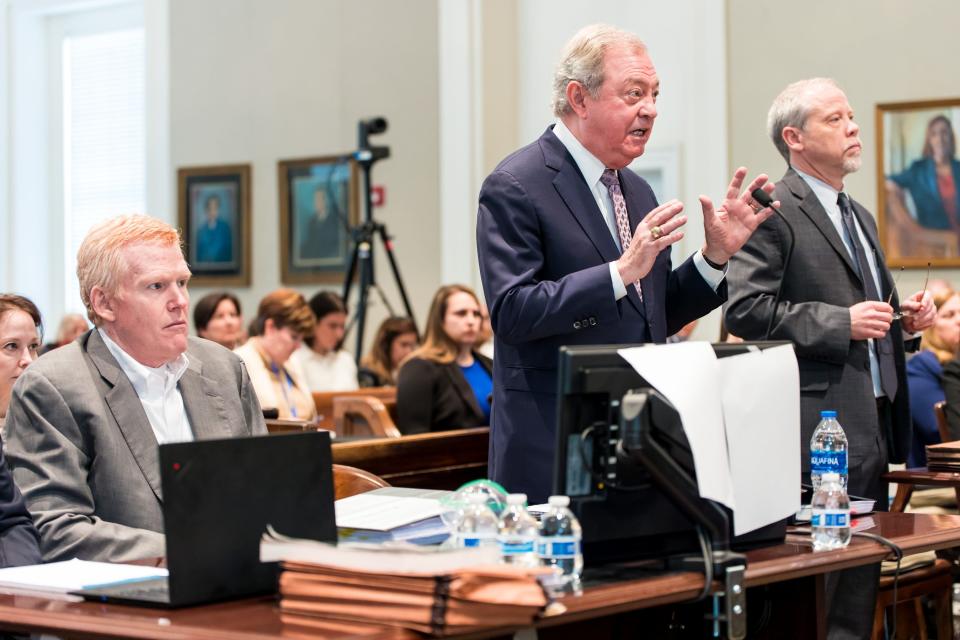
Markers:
925,378
544,250
920,178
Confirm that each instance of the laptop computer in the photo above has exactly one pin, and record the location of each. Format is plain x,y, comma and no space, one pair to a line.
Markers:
218,498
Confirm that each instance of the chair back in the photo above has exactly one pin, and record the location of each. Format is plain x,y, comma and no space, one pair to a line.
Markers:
363,415
940,411
324,401
349,481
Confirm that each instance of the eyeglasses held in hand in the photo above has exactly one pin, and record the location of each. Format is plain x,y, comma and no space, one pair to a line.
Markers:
898,314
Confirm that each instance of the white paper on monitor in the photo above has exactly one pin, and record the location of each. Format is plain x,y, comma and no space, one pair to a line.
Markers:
761,408
686,374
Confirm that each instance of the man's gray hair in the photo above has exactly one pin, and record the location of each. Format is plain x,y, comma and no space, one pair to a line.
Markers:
791,109
582,61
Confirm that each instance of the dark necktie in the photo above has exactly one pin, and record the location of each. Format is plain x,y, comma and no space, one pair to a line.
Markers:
883,346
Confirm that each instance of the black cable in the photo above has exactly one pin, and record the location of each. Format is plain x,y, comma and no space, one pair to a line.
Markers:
898,554
707,564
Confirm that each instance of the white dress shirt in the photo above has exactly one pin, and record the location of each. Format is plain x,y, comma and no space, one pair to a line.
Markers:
333,371
591,168
827,196
158,392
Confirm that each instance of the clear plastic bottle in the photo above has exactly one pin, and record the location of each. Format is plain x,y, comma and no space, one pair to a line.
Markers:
559,545
828,450
518,533
830,514
477,525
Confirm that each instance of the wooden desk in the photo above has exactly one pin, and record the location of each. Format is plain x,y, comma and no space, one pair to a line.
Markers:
908,479
788,575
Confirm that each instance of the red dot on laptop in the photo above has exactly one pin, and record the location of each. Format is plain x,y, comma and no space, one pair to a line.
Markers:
176,466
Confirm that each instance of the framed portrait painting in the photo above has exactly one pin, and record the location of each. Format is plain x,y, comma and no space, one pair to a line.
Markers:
918,176
318,206
214,213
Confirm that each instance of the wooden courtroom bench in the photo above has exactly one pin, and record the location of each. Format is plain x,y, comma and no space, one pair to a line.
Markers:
441,460
324,402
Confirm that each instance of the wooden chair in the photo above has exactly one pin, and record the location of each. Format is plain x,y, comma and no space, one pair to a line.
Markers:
935,581
324,402
440,460
363,415
349,481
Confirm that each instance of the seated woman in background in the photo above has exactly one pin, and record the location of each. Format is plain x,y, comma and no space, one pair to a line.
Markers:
327,367
20,330
395,340
445,384
926,375
71,327
217,317
283,321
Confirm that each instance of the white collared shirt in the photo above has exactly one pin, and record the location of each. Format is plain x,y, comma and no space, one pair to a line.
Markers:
592,169
158,392
827,196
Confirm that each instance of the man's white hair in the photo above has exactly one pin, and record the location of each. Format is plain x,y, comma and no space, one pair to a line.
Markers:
582,61
792,108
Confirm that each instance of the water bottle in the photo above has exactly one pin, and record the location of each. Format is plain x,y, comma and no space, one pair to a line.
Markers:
518,533
477,526
830,514
559,545
828,450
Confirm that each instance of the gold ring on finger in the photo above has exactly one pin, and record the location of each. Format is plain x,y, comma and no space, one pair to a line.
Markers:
656,232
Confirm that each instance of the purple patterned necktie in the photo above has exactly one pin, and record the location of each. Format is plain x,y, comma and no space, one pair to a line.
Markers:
609,178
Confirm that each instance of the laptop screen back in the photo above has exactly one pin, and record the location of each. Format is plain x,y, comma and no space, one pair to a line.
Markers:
220,495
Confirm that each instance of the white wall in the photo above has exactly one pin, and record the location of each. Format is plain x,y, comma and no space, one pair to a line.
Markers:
258,82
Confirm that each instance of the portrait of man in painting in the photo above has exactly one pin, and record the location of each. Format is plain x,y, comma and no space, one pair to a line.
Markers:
321,217
920,192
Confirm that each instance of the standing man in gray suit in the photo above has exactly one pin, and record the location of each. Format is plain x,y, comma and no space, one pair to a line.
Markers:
85,420
833,308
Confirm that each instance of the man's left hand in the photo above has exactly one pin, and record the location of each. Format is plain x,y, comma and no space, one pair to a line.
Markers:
728,228
918,312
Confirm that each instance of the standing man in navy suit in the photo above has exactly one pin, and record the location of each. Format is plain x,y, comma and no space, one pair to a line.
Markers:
573,250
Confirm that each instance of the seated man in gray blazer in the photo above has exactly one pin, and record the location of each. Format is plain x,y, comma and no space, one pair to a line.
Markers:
85,420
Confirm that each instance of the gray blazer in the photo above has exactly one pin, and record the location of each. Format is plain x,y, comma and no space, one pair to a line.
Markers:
819,287
84,454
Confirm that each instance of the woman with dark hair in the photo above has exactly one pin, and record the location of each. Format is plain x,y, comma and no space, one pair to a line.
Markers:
283,321
446,384
20,331
218,317
396,339
933,181
327,367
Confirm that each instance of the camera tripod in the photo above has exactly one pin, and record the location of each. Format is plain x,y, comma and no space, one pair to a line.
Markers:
363,236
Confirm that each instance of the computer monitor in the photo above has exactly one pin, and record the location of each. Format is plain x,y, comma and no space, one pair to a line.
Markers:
631,479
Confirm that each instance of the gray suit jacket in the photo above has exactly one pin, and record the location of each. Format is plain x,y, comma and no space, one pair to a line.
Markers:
820,285
84,454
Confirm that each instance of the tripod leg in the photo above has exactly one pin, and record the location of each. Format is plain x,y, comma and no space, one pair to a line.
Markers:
388,245
351,271
366,279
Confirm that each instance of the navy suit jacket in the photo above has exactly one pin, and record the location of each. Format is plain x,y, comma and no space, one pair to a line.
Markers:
544,250
19,540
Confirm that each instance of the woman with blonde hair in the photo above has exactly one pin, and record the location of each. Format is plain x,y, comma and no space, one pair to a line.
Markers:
446,384
283,320
926,377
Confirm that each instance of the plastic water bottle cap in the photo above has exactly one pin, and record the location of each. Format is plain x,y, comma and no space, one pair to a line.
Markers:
828,414
559,501
830,476
517,498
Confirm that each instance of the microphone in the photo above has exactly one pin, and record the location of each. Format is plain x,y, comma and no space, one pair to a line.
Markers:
766,201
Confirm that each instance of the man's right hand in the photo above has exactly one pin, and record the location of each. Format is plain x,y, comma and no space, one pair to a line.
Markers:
638,259
870,319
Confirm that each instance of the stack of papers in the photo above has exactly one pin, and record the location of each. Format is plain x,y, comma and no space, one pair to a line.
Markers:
73,575
391,514
944,456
